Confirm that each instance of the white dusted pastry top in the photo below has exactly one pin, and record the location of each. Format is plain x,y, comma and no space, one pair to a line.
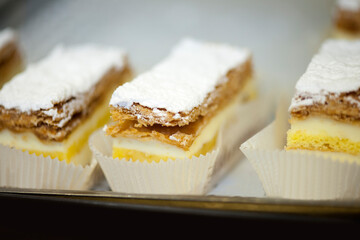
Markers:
6,35
66,72
335,69
349,5
182,80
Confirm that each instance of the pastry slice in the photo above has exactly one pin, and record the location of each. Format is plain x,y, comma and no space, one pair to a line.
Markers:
55,104
11,60
176,109
325,110
347,19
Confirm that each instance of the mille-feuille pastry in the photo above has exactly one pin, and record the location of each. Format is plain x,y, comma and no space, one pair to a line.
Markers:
346,20
11,59
52,107
175,110
325,111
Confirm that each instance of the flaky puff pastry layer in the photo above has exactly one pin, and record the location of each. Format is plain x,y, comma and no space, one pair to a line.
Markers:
340,107
181,132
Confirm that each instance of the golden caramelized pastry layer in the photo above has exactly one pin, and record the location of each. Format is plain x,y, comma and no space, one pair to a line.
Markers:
341,107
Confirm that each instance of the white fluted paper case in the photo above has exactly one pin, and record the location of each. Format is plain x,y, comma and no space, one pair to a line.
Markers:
298,174
195,176
20,169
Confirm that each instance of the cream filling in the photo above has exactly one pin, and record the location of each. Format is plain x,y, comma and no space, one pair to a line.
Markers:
327,127
29,141
156,147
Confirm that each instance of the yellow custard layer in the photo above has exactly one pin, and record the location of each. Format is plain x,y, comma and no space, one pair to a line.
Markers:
323,134
135,155
154,150
74,149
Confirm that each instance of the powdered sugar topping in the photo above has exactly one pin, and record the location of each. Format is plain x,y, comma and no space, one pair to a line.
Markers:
182,80
335,69
67,72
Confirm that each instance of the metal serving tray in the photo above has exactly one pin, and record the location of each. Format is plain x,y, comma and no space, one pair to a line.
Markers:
283,36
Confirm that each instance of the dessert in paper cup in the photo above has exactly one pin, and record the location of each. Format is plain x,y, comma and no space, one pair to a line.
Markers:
24,170
169,125
196,175
48,112
317,156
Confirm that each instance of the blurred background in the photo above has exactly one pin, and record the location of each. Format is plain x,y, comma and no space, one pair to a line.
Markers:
282,34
